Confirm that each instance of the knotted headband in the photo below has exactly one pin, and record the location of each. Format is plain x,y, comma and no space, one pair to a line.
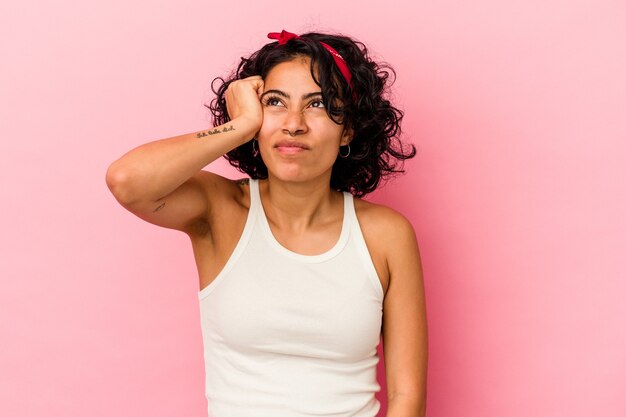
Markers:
284,37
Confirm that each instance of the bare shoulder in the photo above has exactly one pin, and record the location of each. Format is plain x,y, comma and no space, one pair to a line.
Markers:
382,222
216,184
223,194
390,239
221,188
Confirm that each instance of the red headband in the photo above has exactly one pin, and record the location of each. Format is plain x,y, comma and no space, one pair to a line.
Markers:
284,36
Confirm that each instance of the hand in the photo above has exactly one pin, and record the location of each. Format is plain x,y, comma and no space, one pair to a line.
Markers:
243,101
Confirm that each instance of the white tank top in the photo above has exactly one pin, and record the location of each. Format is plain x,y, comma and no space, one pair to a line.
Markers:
292,335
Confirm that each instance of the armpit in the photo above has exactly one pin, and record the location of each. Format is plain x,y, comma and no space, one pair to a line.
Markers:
199,227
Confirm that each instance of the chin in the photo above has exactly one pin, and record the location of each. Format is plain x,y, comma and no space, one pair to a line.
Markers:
288,175
295,170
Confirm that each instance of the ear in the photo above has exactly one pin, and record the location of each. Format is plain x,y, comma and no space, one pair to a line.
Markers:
347,136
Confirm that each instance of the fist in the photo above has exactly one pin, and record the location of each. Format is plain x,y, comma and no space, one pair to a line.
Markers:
243,100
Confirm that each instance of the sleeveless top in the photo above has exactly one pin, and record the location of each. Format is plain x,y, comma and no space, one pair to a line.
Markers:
292,335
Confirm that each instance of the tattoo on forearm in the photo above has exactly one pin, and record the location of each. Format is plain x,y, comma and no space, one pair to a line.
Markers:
215,131
159,208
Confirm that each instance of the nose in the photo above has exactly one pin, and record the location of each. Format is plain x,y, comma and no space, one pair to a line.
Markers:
294,123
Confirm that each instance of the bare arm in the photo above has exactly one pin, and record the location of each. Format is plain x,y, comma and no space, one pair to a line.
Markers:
155,169
405,334
162,181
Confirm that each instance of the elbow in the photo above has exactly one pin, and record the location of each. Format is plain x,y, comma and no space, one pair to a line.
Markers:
118,182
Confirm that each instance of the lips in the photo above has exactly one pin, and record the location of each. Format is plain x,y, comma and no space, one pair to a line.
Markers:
291,144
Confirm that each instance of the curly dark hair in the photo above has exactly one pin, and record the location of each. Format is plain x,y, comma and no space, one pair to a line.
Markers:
375,148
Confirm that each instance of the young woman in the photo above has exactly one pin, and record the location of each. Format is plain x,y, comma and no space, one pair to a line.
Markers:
299,276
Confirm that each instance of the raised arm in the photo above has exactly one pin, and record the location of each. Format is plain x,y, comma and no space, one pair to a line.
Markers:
162,181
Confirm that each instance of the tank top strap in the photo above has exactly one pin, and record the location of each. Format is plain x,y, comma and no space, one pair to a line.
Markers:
358,240
255,199
348,206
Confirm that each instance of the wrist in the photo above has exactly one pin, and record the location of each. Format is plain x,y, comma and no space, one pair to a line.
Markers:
246,126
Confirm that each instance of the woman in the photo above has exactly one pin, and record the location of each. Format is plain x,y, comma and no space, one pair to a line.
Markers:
298,279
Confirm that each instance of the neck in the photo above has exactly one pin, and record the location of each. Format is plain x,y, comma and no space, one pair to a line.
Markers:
298,206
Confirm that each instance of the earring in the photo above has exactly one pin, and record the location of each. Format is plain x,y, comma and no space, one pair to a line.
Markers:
346,155
255,151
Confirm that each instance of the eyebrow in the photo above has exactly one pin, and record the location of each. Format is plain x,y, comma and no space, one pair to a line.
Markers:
283,94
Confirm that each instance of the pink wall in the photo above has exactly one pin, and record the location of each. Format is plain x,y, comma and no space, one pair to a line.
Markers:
517,196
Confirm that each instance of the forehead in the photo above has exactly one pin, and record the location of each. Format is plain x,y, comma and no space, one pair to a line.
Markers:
294,75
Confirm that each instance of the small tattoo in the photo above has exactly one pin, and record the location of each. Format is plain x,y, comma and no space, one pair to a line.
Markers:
159,208
215,131
243,181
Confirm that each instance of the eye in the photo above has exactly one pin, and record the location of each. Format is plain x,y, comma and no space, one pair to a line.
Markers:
272,101
317,103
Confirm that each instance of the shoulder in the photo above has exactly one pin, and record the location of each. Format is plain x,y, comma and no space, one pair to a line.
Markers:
221,189
223,195
391,240
385,222
388,234
241,182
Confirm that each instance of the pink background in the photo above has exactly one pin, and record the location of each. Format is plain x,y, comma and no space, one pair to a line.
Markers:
517,197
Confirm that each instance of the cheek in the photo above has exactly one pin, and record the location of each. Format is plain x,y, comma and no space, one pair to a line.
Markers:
269,125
